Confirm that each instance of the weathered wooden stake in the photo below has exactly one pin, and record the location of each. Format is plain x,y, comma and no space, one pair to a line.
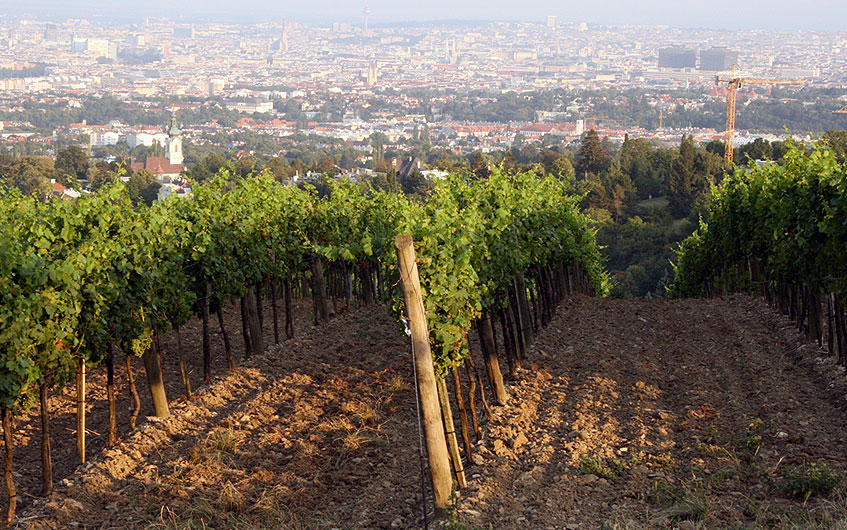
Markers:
80,409
319,291
450,430
7,464
110,396
439,463
463,413
230,363
183,368
289,323
153,367
135,403
472,402
256,336
46,451
207,336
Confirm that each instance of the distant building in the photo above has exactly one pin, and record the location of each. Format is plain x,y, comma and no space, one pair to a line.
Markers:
216,86
250,106
174,144
63,192
135,39
184,32
677,57
166,168
551,21
146,139
373,73
718,59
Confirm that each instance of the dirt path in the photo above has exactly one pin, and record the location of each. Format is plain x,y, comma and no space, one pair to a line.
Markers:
313,434
637,414
650,413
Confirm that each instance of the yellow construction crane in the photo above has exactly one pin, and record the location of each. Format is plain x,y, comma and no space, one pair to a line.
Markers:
593,120
734,82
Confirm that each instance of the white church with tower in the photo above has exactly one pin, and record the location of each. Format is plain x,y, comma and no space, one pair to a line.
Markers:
168,168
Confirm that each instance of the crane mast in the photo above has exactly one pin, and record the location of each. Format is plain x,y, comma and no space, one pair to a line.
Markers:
733,84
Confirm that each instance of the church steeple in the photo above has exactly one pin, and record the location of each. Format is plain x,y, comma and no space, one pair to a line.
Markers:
174,143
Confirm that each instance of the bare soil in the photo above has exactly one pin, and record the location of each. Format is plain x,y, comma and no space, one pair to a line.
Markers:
634,414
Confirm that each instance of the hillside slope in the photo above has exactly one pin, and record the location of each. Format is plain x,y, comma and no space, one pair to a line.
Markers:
636,414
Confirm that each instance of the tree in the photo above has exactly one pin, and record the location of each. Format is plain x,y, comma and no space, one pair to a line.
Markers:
479,165
685,183
837,141
100,174
592,157
71,164
142,187
279,168
562,168
30,174
758,149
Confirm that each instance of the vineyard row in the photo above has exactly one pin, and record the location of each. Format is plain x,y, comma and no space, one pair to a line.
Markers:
779,230
78,280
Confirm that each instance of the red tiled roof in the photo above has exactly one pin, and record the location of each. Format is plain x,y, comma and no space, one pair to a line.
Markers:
157,164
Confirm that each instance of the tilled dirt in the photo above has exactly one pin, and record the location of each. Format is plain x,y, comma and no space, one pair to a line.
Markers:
634,414
657,414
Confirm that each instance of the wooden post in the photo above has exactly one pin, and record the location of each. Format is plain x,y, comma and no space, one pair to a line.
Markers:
135,403
46,451
319,291
289,323
492,364
523,312
436,443
227,347
80,409
256,339
110,396
153,367
463,414
207,338
7,464
472,402
273,285
183,368
450,427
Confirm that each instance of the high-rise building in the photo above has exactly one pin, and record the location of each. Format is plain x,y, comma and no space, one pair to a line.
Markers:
677,57
551,21
184,32
717,59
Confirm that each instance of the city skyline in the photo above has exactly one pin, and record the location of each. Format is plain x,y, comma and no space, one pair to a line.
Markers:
818,15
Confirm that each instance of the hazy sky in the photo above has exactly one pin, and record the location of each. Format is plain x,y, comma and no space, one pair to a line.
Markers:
828,15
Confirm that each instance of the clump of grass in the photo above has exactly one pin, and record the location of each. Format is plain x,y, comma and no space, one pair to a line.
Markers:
690,504
397,384
592,465
230,499
219,443
664,459
808,480
225,441
364,411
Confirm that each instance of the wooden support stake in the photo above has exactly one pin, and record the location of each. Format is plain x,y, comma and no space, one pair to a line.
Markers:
7,464
436,443
463,414
80,409
153,367
450,428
